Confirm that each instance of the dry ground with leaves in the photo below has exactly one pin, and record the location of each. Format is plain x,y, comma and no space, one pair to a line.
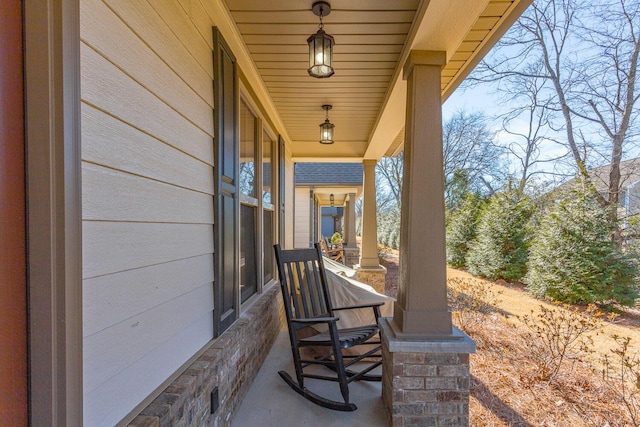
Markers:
515,301
506,385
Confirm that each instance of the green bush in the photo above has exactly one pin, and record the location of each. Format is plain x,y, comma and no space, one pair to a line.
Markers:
394,239
500,248
574,259
389,229
462,226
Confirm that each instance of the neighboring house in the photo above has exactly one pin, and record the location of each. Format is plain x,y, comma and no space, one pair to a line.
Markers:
629,197
324,201
147,151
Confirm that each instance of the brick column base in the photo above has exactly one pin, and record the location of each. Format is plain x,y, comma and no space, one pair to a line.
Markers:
425,383
372,276
351,256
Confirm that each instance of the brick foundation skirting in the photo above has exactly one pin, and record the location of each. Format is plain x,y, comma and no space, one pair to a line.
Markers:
230,363
426,388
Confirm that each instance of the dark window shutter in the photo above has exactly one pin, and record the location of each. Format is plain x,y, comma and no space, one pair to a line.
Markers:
226,200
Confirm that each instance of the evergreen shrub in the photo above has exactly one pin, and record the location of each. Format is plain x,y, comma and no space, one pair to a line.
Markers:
574,259
462,226
389,229
500,248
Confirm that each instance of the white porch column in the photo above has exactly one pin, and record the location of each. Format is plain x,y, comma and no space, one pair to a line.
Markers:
345,221
350,226
369,247
426,359
369,270
312,207
350,247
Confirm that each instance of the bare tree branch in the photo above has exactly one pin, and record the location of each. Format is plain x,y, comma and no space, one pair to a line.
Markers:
582,56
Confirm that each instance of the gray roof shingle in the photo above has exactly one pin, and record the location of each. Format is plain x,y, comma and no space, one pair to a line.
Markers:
329,173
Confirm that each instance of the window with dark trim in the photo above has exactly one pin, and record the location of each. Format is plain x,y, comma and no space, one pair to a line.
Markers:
257,203
246,183
249,202
268,206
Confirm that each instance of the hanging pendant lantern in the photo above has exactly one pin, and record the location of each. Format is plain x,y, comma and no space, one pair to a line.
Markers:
320,46
326,128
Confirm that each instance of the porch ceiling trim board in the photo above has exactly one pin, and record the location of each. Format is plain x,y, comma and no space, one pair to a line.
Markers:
501,26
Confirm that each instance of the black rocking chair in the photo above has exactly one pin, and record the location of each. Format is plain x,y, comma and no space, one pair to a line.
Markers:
307,303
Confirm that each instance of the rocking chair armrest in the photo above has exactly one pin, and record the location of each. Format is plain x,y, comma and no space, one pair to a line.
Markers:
314,320
353,307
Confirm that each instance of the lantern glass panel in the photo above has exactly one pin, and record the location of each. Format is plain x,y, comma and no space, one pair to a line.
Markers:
328,52
326,133
320,54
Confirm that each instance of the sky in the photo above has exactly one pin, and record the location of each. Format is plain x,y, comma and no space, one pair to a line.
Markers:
484,99
472,99
576,50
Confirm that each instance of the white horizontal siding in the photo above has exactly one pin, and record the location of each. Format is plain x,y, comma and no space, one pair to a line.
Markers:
147,151
115,196
186,32
110,142
103,29
108,88
103,305
134,336
200,19
110,247
161,37
121,393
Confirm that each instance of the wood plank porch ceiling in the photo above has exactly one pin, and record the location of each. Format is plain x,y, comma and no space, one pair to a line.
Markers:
370,37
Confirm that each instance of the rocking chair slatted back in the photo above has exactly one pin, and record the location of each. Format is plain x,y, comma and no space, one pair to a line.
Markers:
302,285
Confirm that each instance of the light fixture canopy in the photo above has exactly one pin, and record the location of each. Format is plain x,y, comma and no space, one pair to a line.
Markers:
326,128
320,45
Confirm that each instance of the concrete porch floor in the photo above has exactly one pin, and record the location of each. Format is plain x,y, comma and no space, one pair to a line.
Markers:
272,403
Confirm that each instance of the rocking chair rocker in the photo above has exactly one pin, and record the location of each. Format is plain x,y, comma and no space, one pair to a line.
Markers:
307,303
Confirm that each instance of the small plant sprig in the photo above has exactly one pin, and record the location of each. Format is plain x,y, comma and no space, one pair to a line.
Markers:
336,239
558,334
621,373
470,300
